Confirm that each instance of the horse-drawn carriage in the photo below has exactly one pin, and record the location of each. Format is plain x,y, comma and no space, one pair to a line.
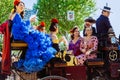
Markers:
66,67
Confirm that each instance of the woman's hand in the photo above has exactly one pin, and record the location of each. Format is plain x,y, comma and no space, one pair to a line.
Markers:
83,50
63,39
88,52
33,18
70,52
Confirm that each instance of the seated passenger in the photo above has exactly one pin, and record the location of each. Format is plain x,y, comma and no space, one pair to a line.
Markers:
74,44
88,47
53,34
40,50
89,23
41,27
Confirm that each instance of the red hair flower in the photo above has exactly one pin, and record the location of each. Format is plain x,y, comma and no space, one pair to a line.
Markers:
16,2
54,20
42,24
71,31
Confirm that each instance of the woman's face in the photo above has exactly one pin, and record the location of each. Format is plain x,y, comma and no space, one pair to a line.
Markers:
20,7
76,32
42,29
56,29
88,31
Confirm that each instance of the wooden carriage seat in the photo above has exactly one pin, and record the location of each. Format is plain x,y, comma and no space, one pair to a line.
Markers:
95,62
18,45
15,44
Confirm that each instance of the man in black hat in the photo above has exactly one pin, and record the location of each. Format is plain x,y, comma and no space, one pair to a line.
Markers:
88,23
103,23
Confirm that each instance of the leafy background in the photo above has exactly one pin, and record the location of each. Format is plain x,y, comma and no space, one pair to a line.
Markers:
48,9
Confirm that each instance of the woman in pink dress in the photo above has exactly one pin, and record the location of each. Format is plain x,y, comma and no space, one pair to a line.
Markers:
88,46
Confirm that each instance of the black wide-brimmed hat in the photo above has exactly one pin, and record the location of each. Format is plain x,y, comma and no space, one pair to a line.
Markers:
90,19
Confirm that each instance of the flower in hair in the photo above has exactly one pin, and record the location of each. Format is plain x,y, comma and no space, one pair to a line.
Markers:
54,20
16,2
71,31
42,24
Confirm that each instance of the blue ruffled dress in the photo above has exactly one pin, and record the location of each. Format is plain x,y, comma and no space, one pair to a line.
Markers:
40,50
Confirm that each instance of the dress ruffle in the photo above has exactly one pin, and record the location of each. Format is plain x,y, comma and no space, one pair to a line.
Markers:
40,50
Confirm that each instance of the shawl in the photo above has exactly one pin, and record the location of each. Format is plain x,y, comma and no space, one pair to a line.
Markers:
6,60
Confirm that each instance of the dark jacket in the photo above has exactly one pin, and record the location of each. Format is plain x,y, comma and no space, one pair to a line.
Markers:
93,33
103,24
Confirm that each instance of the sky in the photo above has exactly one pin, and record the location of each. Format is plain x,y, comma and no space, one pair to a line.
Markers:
29,3
114,16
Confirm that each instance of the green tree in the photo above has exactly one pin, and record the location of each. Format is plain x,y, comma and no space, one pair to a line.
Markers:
48,9
5,9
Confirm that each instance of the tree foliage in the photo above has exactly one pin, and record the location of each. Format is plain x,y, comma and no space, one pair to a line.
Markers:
5,9
48,9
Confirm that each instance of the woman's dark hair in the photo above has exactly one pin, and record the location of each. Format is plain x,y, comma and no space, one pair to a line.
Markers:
53,27
22,13
72,31
40,27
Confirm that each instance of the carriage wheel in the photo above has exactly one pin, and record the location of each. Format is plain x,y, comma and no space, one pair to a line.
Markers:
113,56
53,78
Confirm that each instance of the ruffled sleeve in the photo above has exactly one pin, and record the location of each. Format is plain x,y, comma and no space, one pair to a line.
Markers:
18,19
20,27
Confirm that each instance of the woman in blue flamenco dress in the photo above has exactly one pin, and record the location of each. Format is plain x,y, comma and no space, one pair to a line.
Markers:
39,51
